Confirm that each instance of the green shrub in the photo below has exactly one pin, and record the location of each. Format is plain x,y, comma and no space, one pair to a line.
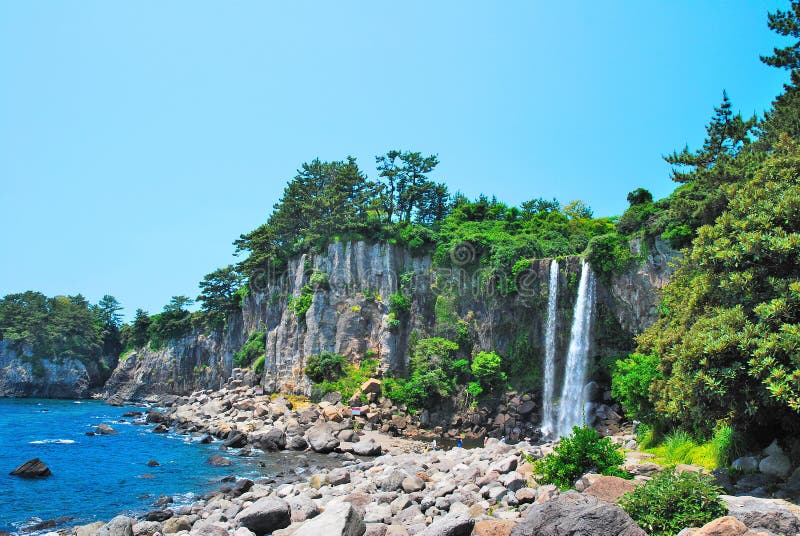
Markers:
350,380
608,254
400,304
300,305
319,280
630,383
580,453
673,501
258,365
251,350
487,369
680,447
326,366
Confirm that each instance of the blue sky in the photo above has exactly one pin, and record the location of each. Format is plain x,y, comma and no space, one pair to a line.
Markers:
139,139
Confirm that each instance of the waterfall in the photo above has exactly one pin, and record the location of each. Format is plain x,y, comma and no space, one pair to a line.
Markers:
571,403
548,409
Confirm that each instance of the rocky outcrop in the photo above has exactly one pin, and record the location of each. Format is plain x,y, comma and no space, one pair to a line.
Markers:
22,375
350,286
34,468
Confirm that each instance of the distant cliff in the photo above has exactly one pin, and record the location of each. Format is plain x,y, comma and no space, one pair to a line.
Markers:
23,376
350,314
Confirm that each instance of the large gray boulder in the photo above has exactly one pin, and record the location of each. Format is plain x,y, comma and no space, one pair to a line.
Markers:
450,525
576,514
774,515
321,438
265,516
269,440
340,519
367,447
119,526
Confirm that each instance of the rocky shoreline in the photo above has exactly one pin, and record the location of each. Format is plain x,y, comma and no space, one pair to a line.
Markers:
381,485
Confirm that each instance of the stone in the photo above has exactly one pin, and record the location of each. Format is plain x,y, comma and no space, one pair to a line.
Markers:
158,515
506,465
87,530
119,526
413,483
265,516
494,527
146,528
526,408
176,524
376,529
546,493
218,461
297,443
773,449
156,417
377,513
153,463
339,476
235,440
450,525
302,508
160,429
318,480
104,429
577,513
242,486
776,465
371,386
334,397
321,439
774,515
525,495
367,447
34,468
340,519
723,526
268,440
746,464
610,488
687,468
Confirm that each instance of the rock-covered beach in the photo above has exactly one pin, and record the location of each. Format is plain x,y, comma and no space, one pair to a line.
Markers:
379,484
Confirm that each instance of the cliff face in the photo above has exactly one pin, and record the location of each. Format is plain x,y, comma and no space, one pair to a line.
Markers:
21,376
350,288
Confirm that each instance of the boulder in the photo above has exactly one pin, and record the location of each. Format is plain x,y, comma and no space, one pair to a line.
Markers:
156,417
302,508
147,528
776,465
577,513
371,386
773,515
158,515
340,519
339,476
235,440
104,429
451,525
367,447
526,408
87,530
176,524
723,526
746,464
334,397
413,483
297,443
494,527
119,526
610,488
218,461
268,440
34,468
265,516
321,439
160,429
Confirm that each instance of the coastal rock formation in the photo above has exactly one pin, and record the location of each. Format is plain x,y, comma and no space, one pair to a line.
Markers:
34,468
350,311
23,376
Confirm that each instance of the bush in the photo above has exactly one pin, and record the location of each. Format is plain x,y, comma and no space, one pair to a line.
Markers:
350,380
673,501
630,383
319,280
608,254
400,304
580,453
300,305
251,350
326,366
486,367
258,365
680,447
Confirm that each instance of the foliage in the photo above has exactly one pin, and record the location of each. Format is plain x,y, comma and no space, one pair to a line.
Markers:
350,380
172,323
487,369
301,303
630,383
731,313
137,333
673,501
57,327
581,452
326,366
608,254
251,350
319,280
219,295
400,304
258,364
680,448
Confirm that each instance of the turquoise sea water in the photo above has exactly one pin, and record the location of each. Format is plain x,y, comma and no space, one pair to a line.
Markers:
102,476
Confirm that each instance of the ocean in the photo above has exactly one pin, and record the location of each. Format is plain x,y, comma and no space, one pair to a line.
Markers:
96,478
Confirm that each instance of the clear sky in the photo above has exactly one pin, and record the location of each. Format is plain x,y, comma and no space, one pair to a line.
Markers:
139,139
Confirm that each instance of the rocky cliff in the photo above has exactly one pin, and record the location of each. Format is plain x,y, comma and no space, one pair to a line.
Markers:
23,376
350,286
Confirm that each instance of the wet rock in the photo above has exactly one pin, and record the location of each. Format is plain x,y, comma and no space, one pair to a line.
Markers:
218,461
104,429
34,468
235,440
160,429
158,515
153,463
746,464
321,438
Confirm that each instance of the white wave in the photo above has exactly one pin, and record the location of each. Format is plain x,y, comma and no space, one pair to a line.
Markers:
52,442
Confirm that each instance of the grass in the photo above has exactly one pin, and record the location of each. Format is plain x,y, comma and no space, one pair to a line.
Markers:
680,448
350,382
299,402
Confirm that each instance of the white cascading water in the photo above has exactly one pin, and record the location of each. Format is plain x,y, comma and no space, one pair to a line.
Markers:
548,401
571,403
